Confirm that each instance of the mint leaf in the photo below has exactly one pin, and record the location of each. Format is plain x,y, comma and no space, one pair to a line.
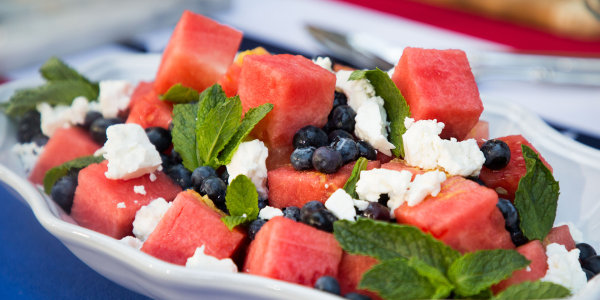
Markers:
55,69
184,133
533,290
57,172
442,285
241,201
180,94
251,118
476,271
215,131
396,279
350,185
536,197
394,103
384,240
209,99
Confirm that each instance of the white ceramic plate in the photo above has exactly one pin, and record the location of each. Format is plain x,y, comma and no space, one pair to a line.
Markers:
577,167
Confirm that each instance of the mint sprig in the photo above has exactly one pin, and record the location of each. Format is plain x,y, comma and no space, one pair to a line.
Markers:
216,130
443,286
57,172
394,103
241,201
536,197
180,94
533,290
350,185
184,133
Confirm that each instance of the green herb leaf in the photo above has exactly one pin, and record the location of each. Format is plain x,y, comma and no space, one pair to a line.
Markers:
54,93
438,280
251,118
210,98
533,290
536,198
180,94
394,103
396,279
184,133
350,185
55,69
384,240
57,172
241,201
476,271
215,131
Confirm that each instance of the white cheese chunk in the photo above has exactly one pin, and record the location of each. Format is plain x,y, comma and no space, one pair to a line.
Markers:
250,160
269,212
129,152
28,154
121,205
62,116
139,189
357,91
371,125
148,216
373,183
423,185
564,268
114,96
460,158
201,260
341,205
324,62
132,242
361,204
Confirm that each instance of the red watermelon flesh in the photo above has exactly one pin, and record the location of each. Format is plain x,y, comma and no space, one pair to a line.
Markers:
399,165
560,235
439,84
109,206
188,224
198,53
140,91
288,250
350,272
148,110
229,81
505,181
535,252
66,144
463,215
288,187
480,132
301,92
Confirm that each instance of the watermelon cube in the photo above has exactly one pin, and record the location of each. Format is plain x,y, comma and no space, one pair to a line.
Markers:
463,215
439,84
560,235
301,92
288,250
140,91
147,110
288,187
399,165
506,180
535,252
229,82
198,54
192,221
480,132
109,206
350,272
66,144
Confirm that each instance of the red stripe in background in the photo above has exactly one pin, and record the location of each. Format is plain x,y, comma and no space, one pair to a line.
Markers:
521,38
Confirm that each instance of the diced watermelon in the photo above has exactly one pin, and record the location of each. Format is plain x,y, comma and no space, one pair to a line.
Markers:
439,84
301,92
480,132
148,110
505,181
66,144
463,215
399,165
109,206
288,250
198,53
383,158
350,272
229,81
140,92
192,221
535,252
560,235
288,187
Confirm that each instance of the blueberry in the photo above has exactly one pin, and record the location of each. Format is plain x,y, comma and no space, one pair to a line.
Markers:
99,126
310,207
40,139
592,263
497,154
342,117
201,173
90,117
509,212
159,137
326,160
383,199
225,176
174,157
366,150
356,296
254,227
347,148
301,158
339,99
476,179
337,134
63,192
588,274
166,161
328,284
585,251
517,237
309,136
320,219
180,175
28,126
262,202
377,211
215,189
292,213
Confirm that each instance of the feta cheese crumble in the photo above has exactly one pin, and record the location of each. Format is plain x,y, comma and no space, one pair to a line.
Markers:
121,205
129,152
139,189
360,204
62,116
341,205
564,268
114,96
250,160
28,154
132,242
268,212
148,216
152,177
324,62
201,260
423,185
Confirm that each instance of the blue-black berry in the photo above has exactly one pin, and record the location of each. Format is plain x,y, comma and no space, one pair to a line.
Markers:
337,134
99,126
342,117
292,212
496,153
377,211
301,158
159,137
327,160
356,296
254,227
310,136
28,126
180,175
201,173
320,219
509,212
63,192
215,189
366,150
347,148
585,251
328,284
339,99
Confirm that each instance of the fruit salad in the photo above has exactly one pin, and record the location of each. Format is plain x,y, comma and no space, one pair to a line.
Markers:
362,183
